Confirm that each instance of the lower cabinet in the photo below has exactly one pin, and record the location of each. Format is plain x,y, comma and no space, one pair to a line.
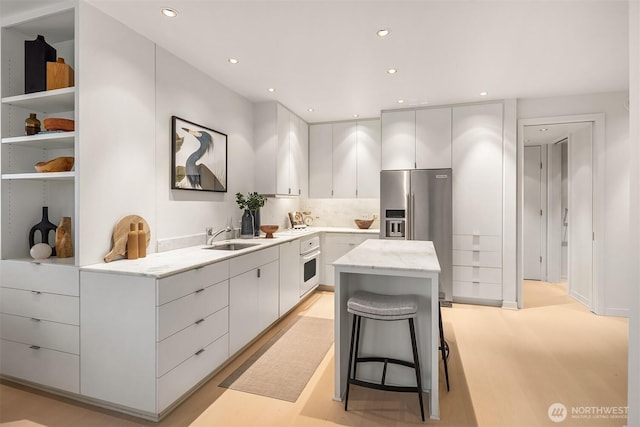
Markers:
336,245
39,324
290,276
253,295
477,269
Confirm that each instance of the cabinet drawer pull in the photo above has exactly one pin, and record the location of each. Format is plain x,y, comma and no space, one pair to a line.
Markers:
199,290
258,273
199,321
36,292
35,347
199,352
35,319
476,283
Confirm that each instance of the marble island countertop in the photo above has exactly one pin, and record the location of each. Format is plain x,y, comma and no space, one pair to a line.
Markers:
412,255
162,264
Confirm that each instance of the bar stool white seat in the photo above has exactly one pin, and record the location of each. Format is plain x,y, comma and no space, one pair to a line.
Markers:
374,306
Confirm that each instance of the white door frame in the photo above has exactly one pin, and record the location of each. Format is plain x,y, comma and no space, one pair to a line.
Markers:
542,228
598,129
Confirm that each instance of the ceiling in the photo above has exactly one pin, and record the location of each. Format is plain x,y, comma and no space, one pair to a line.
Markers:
325,55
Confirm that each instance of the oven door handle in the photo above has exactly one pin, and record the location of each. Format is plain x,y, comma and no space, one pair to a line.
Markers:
310,256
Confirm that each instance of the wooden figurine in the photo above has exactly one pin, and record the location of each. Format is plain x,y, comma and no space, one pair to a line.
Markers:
64,239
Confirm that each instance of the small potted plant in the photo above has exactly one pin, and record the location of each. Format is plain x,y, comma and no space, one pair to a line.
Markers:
251,204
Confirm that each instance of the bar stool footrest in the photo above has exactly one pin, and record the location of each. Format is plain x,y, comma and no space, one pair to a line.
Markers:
386,360
386,387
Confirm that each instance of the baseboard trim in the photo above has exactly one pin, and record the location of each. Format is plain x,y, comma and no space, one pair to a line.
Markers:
510,305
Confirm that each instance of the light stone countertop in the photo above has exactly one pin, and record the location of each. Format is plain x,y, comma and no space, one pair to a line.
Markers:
409,255
162,264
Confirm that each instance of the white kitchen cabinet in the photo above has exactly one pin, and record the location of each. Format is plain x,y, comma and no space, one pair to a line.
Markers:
477,202
335,245
416,139
278,149
253,295
39,324
398,138
345,159
321,160
289,275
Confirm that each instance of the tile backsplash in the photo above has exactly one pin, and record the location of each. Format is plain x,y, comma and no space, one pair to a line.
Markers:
341,212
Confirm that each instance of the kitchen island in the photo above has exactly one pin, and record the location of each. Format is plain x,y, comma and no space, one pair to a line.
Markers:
390,267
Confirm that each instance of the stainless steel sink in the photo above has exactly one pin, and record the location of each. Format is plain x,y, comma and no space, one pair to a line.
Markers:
232,246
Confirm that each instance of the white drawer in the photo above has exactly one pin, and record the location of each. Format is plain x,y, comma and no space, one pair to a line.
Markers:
183,377
44,306
179,285
51,278
183,312
42,366
477,258
492,291
468,242
184,344
347,238
477,274
51,335
244,263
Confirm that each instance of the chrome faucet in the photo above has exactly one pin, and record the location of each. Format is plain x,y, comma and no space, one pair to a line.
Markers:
211,235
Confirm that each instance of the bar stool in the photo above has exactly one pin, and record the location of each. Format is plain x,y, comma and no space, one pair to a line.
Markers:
444,345
387,308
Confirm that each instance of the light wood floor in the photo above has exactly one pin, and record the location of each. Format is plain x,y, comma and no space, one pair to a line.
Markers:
506,368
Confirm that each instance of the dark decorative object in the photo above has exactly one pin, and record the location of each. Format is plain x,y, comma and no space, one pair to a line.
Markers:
31,125
256,222
36,55
198,158
246,226
252,203
44,227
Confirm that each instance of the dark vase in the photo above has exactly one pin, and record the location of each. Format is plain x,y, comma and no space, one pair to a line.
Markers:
44,227
256,222
36,55
246,226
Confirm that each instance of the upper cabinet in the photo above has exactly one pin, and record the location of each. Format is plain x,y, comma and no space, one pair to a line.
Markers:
344,159
416,139
24,190
281,147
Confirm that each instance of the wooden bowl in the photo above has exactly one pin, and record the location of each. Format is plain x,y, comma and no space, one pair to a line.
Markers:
363,223
53,123
59,164
269,230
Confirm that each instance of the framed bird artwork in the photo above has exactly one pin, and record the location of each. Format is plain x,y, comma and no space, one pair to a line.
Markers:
198,157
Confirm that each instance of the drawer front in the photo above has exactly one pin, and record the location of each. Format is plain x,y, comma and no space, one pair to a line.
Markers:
468,242
42,366
43,306
244,263
179,285
50,278
180,346
477,258
183,312
50,335
479,290
183,377
477,274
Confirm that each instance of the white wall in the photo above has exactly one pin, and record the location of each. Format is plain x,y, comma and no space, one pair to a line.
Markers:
634,253
617,172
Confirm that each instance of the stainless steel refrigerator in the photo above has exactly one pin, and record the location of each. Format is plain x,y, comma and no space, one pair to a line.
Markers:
416,204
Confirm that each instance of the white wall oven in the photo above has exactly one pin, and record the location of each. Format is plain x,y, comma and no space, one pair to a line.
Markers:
309,264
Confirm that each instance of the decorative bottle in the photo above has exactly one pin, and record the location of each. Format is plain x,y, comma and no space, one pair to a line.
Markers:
132,242
246,226
142,241
31,125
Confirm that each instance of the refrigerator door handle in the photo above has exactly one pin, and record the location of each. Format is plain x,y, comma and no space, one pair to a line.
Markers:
413,217
409,221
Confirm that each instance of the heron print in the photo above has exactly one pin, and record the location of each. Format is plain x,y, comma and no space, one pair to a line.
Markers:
199,157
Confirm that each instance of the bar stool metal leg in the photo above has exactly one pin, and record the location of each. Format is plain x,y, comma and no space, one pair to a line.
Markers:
353,336
444,348
416,362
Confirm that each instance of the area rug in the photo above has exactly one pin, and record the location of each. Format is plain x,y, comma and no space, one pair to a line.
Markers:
282,367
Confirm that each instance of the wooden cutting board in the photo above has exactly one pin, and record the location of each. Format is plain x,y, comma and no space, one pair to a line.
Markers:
120,232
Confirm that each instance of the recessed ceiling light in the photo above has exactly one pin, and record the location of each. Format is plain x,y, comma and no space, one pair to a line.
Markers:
392,71
171,13
271,89
356,115
310,110
382,33
233,60
543,129
400,101
484,93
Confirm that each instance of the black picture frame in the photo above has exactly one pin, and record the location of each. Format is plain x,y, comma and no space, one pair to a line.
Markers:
198,157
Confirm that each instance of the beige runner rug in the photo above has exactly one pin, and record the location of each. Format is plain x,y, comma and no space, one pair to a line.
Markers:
281,368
